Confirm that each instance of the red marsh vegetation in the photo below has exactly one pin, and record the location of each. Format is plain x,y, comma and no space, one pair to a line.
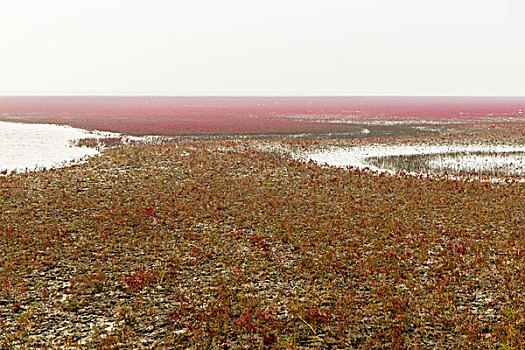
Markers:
250,115
222,245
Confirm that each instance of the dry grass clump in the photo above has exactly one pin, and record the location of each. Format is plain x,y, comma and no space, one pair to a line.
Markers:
99,142
220,245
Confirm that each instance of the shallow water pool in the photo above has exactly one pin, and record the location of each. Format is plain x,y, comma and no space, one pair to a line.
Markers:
479,158
32,146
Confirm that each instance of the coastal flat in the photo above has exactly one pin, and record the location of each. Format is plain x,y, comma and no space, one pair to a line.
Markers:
245,242
218,243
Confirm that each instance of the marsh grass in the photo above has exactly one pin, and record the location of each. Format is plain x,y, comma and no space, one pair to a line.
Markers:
221,245
476,162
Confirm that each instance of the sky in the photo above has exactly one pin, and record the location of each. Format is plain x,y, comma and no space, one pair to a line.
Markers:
270,47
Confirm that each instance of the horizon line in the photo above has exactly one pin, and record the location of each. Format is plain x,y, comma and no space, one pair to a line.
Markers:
251,95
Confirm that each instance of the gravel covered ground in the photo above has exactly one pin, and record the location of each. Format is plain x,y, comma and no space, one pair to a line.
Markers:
218,244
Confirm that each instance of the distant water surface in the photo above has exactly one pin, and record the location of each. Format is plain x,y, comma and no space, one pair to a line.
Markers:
30,146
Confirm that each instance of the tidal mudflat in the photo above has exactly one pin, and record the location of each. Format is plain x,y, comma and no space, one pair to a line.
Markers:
191,244
235,244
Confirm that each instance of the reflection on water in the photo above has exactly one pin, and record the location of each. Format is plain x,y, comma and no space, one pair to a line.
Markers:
481,163
479,158
30,146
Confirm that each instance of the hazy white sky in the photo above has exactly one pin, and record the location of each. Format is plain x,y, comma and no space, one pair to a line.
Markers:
271,47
